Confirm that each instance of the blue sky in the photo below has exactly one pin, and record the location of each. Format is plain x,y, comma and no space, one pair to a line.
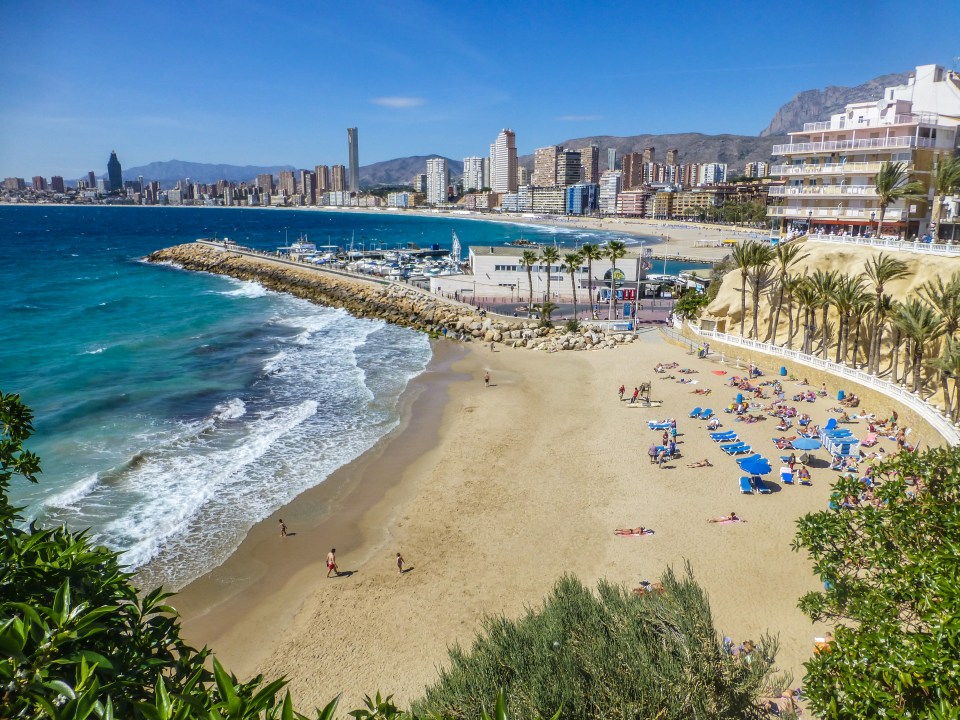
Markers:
263,83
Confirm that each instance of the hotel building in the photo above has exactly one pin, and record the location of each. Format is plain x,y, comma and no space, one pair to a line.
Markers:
338,178
438,178
473,174
545,165
831,166
503,162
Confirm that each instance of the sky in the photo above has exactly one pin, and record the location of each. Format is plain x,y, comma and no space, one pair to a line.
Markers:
268,83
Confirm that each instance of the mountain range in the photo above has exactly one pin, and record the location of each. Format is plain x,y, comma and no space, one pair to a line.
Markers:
735,150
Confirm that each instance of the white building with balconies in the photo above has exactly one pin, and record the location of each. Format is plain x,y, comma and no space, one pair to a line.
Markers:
831,166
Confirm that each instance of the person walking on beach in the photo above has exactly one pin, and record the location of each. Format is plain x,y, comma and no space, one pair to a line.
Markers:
636,394
622,390
283,529
332,562
486,378
400,563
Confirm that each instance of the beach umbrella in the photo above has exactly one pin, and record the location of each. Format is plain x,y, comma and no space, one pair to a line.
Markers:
806,444
755,465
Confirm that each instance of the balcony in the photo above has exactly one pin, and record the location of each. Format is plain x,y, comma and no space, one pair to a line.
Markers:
888,143
850,168
822,213
846,123
827,191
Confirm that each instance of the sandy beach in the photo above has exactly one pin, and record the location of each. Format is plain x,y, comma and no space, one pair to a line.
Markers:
491,494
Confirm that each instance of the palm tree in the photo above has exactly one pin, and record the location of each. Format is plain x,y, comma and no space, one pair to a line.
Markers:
949,366
590,253
862,304
944,297
550,255
824,282
882,314
791,285
742,260
808,299
528,259
615,250
893,183
760,277
572,262
546,309
922,326
946,181
844,296
785,256
880,270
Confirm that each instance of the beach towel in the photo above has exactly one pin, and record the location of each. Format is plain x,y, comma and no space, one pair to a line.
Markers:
719,372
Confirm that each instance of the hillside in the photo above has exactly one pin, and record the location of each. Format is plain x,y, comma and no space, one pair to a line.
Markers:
167,173
813,105
735,150
400,171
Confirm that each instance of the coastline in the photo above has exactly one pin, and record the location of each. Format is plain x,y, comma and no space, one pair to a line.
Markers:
492,494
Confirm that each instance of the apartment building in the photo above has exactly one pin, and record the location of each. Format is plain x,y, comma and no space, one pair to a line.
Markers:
438,178
831,166
609,190
545,166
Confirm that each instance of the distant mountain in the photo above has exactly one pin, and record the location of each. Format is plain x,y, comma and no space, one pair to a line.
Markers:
814,105
400,171
167,173
735,150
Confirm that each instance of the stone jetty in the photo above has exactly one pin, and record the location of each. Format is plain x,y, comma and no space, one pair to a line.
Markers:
382,300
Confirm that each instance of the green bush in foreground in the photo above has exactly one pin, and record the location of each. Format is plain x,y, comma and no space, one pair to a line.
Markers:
891,570
608,655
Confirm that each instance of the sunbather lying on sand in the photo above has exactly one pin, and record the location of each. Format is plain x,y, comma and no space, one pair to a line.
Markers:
700,463
647,587
701,391
732,517
631,532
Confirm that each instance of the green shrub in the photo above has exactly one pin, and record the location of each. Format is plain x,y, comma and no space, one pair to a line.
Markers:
607,655
572,325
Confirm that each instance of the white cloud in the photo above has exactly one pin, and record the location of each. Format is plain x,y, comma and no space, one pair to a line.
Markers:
398,102
580,118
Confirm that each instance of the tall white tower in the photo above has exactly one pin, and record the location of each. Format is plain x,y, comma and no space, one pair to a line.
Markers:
503,163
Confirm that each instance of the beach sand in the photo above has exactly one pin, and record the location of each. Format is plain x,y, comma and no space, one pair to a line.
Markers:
491,494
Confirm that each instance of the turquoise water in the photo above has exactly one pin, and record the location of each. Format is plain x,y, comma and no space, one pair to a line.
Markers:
174,410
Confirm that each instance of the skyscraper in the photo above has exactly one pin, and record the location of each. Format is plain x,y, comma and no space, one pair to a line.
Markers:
339,178
288,184
472,173
114,173
503,162
323,178
568,168
91,179
612,163
56,183
308,186
353,145
590,164
545,166
672,156
265,183
632,165
438,177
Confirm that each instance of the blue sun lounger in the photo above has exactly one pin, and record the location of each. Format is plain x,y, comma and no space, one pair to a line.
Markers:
706,414
695,412
736,448
658,426
725,436
786,476
760,485
745,487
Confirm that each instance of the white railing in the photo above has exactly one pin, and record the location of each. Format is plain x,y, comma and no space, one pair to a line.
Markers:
937,420
889,244
899,141
827,190
845,123
839,213
848,168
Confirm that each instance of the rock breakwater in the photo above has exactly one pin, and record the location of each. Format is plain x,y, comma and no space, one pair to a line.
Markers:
392,302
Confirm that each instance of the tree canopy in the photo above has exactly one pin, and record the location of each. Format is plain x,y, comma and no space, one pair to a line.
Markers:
888,553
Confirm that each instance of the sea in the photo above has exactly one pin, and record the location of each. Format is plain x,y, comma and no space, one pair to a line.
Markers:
174,410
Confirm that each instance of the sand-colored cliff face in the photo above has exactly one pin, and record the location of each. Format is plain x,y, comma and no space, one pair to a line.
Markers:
844,259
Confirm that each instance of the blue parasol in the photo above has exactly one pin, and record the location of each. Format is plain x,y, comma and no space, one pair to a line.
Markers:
806,444
755,465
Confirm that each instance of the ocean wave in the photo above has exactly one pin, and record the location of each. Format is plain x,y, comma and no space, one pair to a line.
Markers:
95,351
230,410
73,494
245,290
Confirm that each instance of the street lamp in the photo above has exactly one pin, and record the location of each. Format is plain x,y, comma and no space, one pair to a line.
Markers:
873,216
809,221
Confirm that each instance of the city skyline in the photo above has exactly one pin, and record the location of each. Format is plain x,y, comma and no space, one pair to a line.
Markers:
186,86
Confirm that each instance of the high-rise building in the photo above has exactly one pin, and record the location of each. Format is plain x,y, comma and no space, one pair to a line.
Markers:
612,162
472,174
831,166
649,154
568,168
265,183
503,162
338,179
713,173
353,146
91,179
322,173
523,176
114,173
609,189
288,184
56,184
756,169
545,166
590,164
420,183
632,167
308,186
672,156
438,178
39,184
